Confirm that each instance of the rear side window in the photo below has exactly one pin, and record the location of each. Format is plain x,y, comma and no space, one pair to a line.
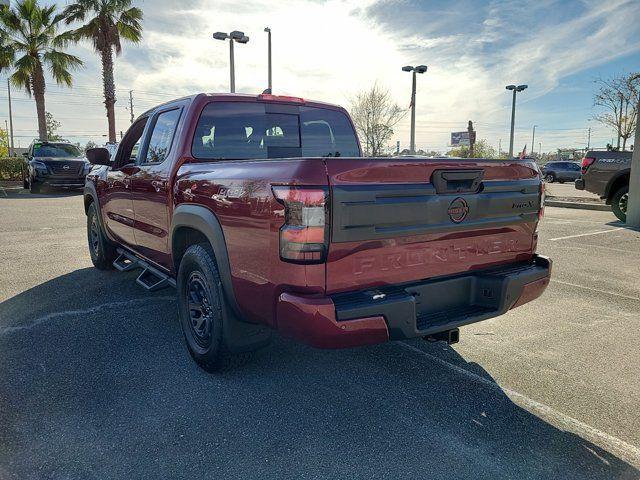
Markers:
239,130
162,137
327,133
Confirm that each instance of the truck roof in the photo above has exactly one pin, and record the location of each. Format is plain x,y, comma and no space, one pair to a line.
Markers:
244,97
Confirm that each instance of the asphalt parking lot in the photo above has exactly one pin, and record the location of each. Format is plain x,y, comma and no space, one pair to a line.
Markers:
95,381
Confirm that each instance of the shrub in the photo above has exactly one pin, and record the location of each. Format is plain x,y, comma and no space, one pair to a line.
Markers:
11,168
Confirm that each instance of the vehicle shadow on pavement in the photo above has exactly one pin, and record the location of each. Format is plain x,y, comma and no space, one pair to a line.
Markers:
26,195
95,382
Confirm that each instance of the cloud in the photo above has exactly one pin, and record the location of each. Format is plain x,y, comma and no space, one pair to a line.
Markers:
329,50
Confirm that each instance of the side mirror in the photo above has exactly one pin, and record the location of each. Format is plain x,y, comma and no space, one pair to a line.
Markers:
25,154
98,156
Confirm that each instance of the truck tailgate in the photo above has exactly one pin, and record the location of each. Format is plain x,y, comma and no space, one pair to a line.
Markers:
400,220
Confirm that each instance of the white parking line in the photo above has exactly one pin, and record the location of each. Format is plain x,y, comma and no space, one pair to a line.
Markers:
596,290
586,234
626,451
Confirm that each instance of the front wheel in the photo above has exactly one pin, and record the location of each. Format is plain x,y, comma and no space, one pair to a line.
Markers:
102,252
619,203
34,187
201,307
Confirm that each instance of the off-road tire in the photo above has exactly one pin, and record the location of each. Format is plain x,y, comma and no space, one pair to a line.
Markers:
619,203
102,251
204,330
25,184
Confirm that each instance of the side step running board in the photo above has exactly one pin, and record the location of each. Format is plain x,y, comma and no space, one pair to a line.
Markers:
151,279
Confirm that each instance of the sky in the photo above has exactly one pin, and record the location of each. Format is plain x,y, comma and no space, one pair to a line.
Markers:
330,50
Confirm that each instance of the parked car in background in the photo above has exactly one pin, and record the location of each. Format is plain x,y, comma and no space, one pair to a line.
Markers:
264,214
561,172
606,173
56,165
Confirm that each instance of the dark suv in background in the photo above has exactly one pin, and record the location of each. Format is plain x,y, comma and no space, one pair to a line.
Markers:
561,171
606,173
57,165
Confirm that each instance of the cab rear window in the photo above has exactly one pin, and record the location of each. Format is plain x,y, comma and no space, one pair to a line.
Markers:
238,130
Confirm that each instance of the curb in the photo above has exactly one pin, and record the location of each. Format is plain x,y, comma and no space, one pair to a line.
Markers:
601,207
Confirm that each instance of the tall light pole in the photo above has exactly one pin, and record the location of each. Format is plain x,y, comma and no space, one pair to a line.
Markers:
12,150
414,70
515,89
268,30
234,36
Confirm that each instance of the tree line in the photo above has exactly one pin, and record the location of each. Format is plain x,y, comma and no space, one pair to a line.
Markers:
33,39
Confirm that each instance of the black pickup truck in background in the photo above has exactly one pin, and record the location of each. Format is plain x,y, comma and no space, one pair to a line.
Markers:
606,173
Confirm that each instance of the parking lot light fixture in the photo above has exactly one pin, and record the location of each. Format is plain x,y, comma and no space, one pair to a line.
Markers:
270,78
414,70
515,89
235,36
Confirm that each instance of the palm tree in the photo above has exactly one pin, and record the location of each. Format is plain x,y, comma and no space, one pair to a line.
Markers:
29,43
109,22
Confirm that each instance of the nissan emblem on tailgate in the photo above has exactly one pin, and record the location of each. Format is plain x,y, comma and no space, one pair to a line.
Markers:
458,210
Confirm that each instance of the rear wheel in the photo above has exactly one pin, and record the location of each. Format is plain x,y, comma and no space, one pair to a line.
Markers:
201,306
102,251
550,178
619,203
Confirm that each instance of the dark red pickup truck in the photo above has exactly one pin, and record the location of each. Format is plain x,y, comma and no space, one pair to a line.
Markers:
263,213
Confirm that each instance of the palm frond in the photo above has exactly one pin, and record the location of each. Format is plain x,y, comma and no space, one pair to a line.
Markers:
7,56
21,79
60,65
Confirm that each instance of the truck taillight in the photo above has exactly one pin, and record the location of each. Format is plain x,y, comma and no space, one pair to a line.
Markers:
305,234
586,163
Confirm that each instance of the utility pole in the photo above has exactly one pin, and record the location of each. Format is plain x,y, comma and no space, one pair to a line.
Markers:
472,140
589,139
268,30
533,140
12,149
131,105
540,149
499,148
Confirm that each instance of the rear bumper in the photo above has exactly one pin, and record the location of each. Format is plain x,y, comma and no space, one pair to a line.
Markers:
410,311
